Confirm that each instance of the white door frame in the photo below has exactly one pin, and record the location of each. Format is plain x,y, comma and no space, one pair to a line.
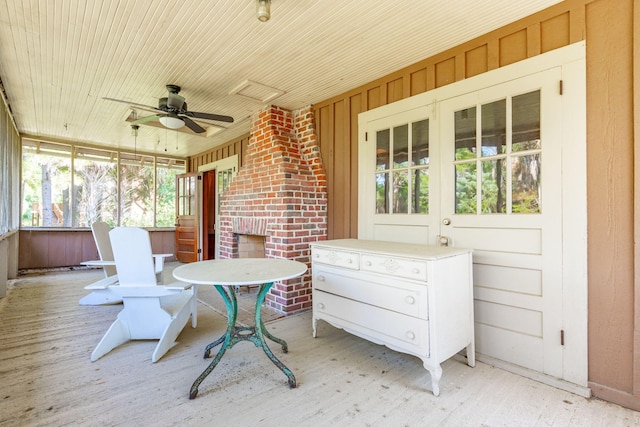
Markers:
231,162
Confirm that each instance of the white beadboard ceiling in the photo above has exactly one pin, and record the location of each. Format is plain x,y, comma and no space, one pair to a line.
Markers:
59,59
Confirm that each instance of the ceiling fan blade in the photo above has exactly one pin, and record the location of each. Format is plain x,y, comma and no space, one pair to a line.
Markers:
192,125
132,103
142,120
208,116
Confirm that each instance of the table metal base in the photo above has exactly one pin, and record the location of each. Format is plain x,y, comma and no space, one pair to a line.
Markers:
234,334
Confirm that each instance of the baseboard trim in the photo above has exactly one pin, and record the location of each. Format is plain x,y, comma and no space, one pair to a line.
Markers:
534,375
618,397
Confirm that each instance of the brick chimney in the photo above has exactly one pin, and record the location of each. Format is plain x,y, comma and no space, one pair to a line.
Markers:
279,193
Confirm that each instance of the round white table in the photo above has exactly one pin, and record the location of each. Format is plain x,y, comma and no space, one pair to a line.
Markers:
224,275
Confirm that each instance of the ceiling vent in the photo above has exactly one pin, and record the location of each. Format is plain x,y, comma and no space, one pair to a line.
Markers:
256,91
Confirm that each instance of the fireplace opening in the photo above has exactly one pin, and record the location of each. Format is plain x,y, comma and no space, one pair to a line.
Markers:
250,246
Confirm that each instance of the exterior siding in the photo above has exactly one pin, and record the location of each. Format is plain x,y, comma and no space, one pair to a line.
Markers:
611,203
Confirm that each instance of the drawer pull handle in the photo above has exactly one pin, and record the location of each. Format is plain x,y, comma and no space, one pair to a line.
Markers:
349,261
368,263
416,270
410,300
320,278
321,306
411,335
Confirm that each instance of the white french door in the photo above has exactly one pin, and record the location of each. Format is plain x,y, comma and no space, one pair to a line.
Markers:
497,164
501,195
395,170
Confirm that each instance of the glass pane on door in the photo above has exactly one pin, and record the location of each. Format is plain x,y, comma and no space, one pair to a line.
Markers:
526,183
526,121
494,186
420,175
494,128
420,143
382,199
192,195
465,134
466,185
400,146
420,195
382,149
400,191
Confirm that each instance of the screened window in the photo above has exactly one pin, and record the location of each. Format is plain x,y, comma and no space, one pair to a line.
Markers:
137,190
72,186
96,186
46,185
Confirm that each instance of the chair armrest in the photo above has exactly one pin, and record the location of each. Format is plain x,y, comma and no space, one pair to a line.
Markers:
159,261
149,291
98,263
103,283
179,286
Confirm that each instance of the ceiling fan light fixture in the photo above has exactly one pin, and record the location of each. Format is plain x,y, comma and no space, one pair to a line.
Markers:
263,10
171,122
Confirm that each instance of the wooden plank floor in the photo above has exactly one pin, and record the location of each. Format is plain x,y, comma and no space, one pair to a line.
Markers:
46,377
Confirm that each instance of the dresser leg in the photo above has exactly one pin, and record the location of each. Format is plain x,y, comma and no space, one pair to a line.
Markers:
436,374
314,325
471,354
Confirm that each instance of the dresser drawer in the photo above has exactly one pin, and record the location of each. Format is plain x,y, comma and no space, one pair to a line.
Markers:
344,259
392,294
376,324
395,266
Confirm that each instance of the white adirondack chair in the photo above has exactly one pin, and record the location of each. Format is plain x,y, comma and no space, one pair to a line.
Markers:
151,311
100,290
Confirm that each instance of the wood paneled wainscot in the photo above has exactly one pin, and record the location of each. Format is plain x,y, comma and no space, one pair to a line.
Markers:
414,299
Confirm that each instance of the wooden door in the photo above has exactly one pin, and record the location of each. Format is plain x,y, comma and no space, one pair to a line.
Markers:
187,217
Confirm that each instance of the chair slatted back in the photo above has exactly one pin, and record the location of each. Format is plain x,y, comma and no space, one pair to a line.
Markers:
132,254
100,231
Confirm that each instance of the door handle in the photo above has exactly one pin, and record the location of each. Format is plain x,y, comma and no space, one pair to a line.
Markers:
446,221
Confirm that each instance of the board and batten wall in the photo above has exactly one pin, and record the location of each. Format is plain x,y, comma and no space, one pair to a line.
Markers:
236,146
611,29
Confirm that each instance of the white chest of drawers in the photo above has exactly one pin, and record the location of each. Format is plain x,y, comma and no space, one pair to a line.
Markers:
415,299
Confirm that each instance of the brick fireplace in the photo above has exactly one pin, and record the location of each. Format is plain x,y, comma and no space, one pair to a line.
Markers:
280,193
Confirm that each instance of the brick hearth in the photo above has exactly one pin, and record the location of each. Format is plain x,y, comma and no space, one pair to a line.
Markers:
279,193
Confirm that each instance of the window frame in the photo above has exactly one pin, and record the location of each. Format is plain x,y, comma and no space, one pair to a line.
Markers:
119,157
